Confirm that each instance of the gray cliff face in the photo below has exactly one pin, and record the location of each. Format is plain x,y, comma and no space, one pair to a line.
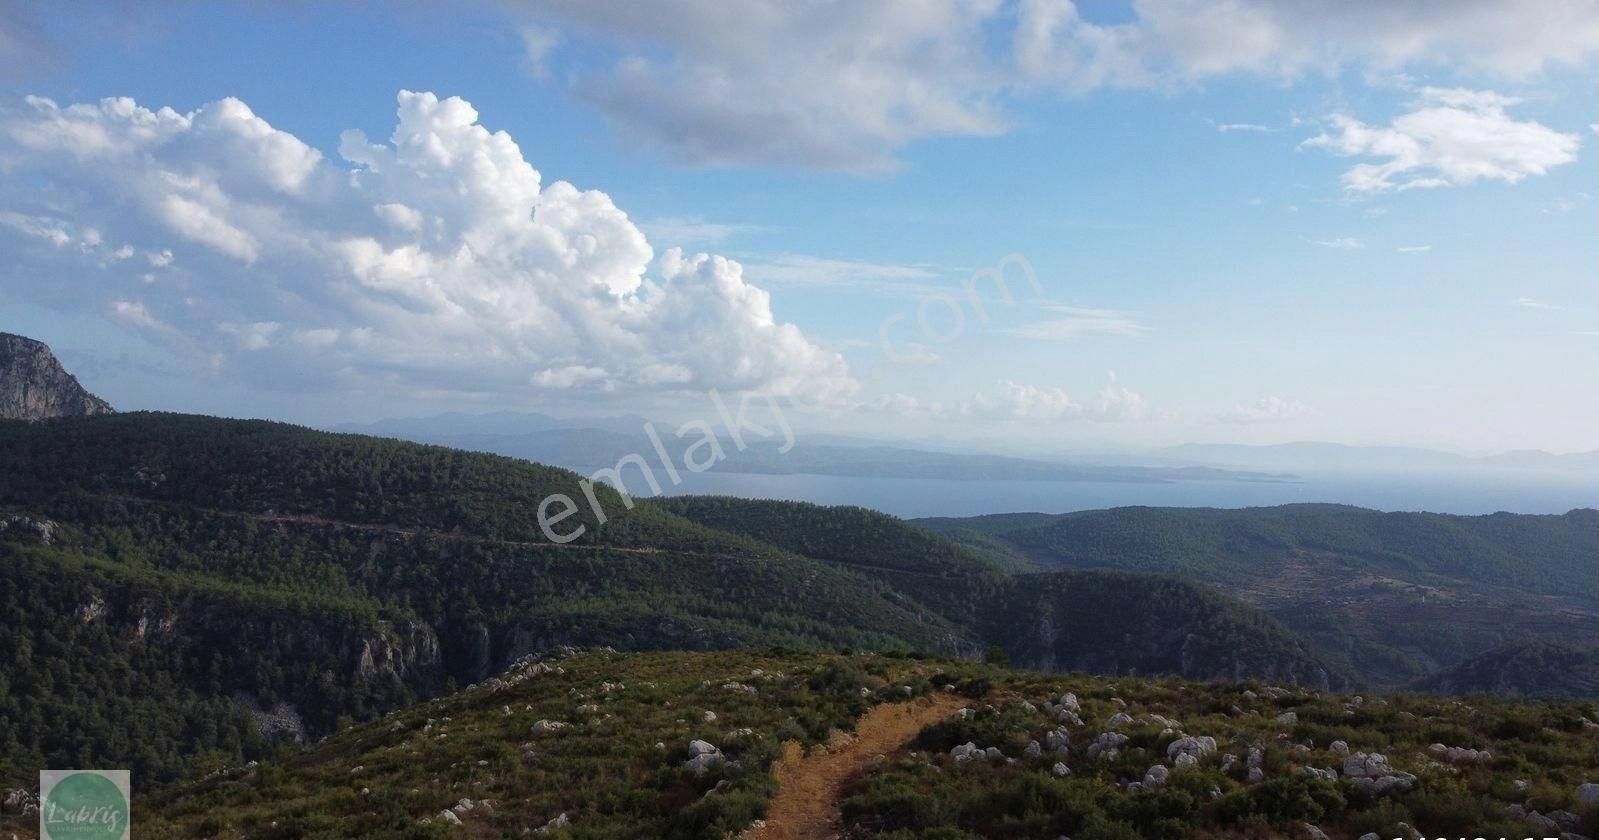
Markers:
34,386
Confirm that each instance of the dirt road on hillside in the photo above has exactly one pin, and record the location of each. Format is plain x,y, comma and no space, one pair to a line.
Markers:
806,806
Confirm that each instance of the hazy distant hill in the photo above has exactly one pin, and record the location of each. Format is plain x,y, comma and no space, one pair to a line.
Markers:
1310,455
589,444
1534,459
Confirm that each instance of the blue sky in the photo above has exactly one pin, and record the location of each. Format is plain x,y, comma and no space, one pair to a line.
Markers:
1210,269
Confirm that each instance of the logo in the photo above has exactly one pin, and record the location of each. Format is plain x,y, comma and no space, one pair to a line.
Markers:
83,804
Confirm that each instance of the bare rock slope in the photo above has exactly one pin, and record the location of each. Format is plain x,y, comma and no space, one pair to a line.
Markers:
34,386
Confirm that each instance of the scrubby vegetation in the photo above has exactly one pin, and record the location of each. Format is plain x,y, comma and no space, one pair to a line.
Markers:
612,753
1469,767
599,744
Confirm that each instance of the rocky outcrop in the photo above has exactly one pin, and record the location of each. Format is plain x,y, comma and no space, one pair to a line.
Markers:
702,756
281,661
34,386
1188,745
1371,773
41,529
282,722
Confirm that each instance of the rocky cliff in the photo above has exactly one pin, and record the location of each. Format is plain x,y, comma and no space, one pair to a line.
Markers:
34,386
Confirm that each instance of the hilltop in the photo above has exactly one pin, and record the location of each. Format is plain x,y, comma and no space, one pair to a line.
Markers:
601,744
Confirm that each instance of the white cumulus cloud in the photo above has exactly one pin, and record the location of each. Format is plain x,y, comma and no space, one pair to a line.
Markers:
438,260
1453,137
136,313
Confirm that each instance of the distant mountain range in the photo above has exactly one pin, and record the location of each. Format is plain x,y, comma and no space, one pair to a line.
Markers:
594,443
1309,456
586,444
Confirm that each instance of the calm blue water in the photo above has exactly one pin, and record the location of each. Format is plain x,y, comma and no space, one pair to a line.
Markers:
1440,493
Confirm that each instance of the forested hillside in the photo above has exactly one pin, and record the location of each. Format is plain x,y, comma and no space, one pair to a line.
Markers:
179,572
1120,623
1390,597
1096,621
957,581
234,584
1553,555
1534,669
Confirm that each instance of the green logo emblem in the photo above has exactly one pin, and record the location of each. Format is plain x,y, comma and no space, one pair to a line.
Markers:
83,804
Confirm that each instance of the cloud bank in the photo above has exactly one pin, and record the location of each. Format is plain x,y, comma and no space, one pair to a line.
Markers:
438,261
834,85
1021,401
845,84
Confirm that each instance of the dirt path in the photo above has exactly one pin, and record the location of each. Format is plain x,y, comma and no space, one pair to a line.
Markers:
807,803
